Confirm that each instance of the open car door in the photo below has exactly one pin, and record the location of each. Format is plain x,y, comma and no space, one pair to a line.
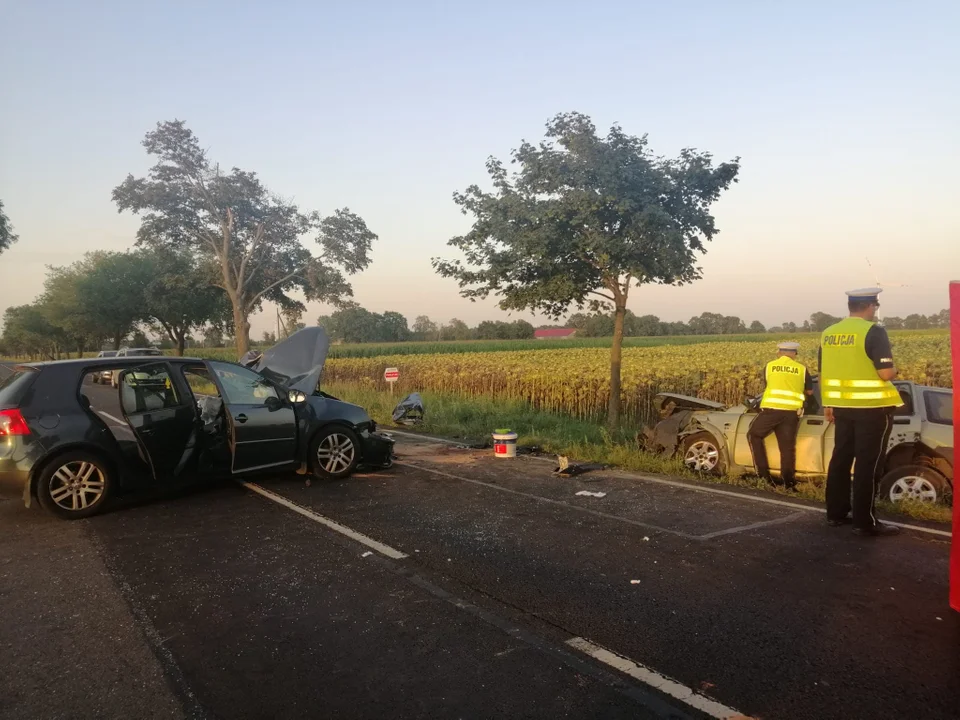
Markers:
263,423
163,420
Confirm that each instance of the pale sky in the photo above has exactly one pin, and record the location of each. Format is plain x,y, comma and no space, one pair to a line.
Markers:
845,115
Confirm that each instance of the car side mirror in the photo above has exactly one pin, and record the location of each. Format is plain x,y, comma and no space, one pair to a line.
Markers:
297,397
273,403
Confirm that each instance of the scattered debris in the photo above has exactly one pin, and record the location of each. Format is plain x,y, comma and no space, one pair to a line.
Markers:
646,539
307,482
634,582
940,619
529,450
567,469
410,410
591,494
368,553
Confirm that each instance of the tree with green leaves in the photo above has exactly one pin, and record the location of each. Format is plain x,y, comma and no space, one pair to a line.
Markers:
583,220
7,238
27,331
425,329
113,289
178,296
65,306
456,329
252,237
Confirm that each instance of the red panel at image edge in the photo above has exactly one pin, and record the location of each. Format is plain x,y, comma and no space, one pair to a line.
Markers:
955,354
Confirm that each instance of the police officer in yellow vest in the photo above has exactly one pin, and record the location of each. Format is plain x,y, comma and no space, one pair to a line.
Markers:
856,367
787,386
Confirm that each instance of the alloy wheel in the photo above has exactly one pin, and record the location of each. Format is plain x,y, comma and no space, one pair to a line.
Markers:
77,485
335,453
913,487
702,456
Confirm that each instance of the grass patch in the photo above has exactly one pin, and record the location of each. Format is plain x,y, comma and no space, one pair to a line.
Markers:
474,419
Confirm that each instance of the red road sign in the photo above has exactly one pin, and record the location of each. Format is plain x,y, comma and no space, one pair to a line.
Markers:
391,374
955,343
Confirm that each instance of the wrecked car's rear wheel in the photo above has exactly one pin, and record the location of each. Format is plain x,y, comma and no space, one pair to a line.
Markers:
913,482
74,485
701,453
335,452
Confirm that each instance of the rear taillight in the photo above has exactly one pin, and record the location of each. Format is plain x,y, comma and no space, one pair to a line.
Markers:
12,423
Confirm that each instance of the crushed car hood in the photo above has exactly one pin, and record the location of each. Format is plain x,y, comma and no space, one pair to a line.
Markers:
296,362
686,402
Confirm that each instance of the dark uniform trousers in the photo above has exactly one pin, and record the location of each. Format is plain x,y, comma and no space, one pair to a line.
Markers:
862,434
785,424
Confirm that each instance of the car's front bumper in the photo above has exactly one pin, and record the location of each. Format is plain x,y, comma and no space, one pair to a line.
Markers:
377,449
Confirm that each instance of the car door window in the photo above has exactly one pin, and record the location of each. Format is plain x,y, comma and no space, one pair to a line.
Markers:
148,388
939,407
242,386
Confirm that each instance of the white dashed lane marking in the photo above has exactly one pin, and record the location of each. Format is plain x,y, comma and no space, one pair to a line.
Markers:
688,696
385,550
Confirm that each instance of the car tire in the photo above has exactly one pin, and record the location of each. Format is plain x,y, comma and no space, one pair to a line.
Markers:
334,452
913,482
701,453
75,485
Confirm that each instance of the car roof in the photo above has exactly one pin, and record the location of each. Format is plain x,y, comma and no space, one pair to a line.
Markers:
104,361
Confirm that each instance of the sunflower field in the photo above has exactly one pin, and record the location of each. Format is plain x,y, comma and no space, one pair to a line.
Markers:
575,381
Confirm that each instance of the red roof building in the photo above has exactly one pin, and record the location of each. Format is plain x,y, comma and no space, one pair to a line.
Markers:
554,333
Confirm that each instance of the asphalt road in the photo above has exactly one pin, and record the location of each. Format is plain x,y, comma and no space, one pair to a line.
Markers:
457,585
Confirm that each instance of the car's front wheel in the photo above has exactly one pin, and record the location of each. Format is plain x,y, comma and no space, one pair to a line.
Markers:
75,485
701,453
334,452
913,482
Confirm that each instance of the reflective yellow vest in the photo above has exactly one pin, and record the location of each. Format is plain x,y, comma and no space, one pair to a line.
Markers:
785,381
848,377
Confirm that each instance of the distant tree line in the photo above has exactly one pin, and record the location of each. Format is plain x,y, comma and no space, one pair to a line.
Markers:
355,324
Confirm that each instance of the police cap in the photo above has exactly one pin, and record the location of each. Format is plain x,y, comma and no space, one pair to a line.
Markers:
788,346
865,294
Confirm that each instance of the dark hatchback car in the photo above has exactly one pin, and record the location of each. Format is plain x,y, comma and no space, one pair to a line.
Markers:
73,445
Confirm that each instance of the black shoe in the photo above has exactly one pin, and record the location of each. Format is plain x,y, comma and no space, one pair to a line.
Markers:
878,530
839,523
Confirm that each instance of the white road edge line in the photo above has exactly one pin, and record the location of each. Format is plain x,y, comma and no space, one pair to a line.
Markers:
678,691
332,524
698,488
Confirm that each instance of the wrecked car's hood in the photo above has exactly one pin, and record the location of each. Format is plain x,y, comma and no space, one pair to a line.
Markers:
296,362
686,402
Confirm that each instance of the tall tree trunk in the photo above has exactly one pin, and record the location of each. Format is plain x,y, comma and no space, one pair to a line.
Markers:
616,354
181,338
241,327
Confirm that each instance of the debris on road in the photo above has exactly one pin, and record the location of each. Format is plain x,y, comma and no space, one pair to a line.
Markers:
368,553
646,539
634,582
567,469
591,494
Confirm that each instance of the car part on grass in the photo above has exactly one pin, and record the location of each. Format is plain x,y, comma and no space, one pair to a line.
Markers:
913,482
410,410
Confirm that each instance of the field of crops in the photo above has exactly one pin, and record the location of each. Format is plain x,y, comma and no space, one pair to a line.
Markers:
574,381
